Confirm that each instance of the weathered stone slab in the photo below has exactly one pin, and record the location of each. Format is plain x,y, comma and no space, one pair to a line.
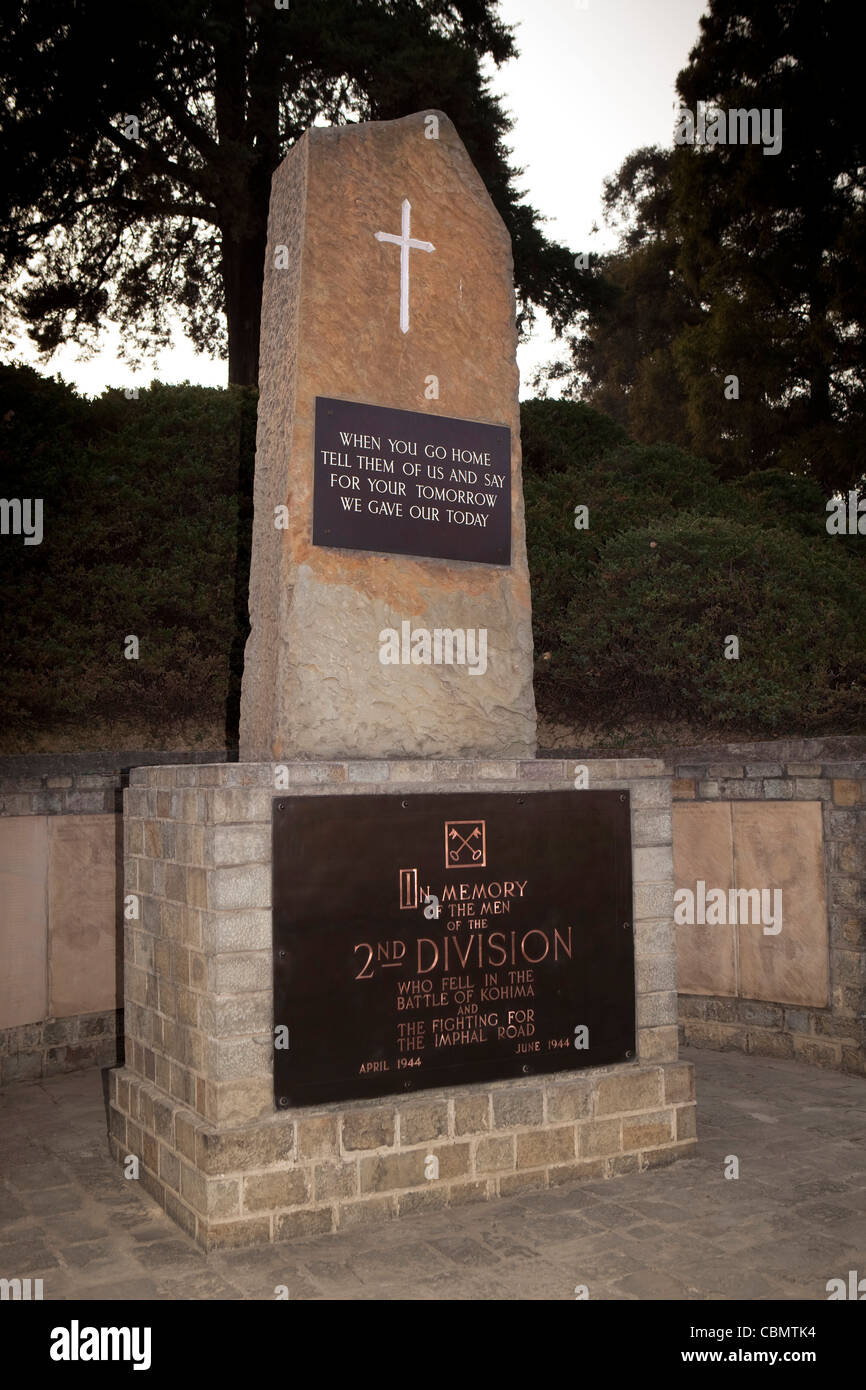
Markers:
82,887
780,846
23,871
314,684
706,955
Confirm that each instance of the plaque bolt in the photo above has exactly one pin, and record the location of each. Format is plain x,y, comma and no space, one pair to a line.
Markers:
629,1054
622,796
284,1102
525,1070
625,926
281,805
281,955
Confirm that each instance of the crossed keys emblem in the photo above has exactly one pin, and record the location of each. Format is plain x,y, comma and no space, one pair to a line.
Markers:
465,844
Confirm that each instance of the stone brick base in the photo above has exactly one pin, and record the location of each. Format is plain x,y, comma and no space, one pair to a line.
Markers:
195,1103
332,1167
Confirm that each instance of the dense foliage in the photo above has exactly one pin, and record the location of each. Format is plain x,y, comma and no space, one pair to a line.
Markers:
741,260
631,615
144,535
147,510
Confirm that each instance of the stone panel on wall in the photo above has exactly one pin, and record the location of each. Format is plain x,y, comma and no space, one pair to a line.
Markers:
82,955
754,845
703,849
779,846
798,809
24,923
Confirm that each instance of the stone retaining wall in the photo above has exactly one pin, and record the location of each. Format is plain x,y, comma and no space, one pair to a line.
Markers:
39,792
61,868
34,1050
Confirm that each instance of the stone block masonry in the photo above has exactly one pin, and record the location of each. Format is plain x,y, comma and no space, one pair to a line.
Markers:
328,1168
32,1051
195,1103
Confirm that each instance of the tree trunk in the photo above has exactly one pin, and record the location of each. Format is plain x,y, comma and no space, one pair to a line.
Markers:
243,262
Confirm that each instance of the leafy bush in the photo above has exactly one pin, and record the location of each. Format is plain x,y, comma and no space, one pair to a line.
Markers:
146,532
630,616
148,508
553,433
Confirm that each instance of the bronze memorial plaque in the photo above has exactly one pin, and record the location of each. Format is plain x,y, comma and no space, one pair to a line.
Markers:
406,483
438,939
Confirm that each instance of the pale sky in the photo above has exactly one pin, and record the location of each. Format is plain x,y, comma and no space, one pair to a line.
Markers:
594,81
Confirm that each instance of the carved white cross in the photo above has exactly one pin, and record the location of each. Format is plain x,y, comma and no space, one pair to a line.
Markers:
406,243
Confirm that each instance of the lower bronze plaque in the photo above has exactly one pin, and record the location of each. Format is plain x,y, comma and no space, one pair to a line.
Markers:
435,940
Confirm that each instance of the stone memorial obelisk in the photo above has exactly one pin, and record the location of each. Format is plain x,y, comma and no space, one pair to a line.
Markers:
388,282
391,961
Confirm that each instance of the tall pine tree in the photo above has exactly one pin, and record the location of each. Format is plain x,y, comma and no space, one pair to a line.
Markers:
741,263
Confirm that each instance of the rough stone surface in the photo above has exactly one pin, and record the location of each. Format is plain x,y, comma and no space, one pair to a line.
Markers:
313,683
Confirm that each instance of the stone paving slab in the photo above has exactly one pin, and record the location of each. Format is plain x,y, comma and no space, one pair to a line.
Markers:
794,1218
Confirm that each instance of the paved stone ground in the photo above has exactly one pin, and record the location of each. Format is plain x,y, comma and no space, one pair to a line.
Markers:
795,1218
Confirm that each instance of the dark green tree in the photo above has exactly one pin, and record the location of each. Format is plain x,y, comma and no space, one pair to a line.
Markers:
737,262
138,147
622,359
